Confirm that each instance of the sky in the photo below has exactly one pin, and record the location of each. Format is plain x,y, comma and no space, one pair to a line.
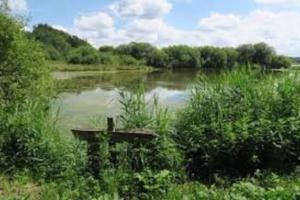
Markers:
170,22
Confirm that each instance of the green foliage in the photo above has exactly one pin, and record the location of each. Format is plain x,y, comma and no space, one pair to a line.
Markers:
84,55
263,54
278,62
245,121
231,57
158,59
245,189
151,185
107,49
27,138
137,50
246,53
22,66
60,46
57,44
127,60
135,110
213,58
139,114
182,57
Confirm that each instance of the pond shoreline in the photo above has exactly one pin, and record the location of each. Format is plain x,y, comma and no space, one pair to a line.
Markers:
64,67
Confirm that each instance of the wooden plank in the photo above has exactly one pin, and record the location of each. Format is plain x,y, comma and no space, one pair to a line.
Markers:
129,136
116,136
88,135
111,124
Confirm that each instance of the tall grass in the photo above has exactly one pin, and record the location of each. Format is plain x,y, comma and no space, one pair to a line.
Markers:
243,122
138,166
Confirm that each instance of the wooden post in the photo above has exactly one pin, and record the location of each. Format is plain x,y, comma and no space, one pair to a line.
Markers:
111,125
94,158
93,144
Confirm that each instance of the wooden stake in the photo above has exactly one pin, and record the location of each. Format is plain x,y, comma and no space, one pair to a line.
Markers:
111,124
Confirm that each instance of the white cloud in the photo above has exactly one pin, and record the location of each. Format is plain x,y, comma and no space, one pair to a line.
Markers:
17,5
139,21
94,21
219,21
59,27
278,1
92,26
155,31
275,28
141,8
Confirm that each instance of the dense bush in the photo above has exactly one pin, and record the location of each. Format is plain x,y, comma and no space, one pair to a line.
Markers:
57,44
158,59
140,51
24,76
213,58
278,62
272,187
143,170
182,57
27,138
245,121
84,55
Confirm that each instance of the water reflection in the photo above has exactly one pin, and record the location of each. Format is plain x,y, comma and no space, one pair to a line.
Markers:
85,95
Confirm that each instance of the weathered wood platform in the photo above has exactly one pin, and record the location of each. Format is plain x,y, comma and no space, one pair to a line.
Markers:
116,136
90,136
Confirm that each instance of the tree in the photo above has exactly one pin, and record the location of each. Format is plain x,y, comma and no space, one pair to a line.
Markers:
231,57
246,53
263,54
57,44
137,50
107,49
84,55
278,62
158,58
182,56
213,58
22,65
128,60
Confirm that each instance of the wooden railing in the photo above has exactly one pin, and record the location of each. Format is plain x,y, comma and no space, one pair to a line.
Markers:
114,136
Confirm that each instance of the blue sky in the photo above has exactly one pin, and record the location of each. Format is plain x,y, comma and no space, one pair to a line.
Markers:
168,22
184,13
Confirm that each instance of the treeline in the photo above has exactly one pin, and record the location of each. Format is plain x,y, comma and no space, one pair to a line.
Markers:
61,46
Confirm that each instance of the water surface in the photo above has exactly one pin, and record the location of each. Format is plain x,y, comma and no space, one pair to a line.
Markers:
86,97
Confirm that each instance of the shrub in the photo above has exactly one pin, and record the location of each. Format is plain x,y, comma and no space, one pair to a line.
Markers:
28,139
142,169
250,189
24,74
279,62
245,121
139,114
84,55
182,56
127,60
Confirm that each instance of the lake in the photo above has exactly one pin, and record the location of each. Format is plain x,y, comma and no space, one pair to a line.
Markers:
86,97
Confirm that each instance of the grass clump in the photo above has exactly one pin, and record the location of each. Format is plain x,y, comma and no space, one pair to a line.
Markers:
142,170
243,122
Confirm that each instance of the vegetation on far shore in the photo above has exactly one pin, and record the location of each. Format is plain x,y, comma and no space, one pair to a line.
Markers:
64,67
229,141
62,47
